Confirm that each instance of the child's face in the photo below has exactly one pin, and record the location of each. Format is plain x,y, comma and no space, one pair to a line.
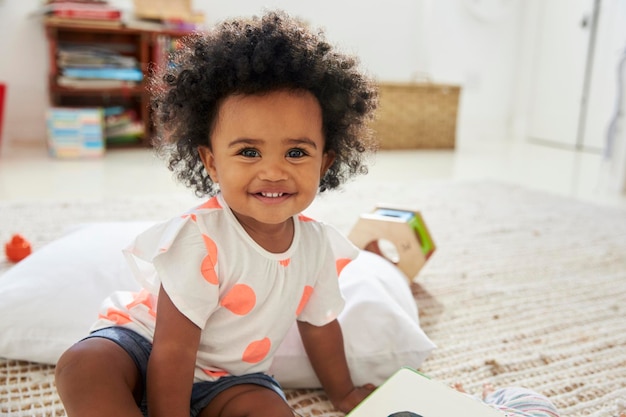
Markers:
267,154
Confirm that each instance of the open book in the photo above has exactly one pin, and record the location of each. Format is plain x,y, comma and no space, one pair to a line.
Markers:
409,393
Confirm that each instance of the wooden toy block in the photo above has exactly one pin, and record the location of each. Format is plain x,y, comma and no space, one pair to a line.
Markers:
405,229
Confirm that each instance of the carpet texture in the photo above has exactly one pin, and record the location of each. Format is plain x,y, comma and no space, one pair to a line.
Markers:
525,288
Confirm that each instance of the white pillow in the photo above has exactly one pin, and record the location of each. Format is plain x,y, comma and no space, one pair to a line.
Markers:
49,300
380,328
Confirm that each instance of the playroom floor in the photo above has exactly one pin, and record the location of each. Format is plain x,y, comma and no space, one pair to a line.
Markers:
27,172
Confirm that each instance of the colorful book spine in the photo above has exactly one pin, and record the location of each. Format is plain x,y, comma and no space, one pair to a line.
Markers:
82,11
127,74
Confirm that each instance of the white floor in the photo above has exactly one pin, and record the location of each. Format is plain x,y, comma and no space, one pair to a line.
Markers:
28,173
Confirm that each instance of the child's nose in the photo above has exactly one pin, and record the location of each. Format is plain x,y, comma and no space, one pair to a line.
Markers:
273,170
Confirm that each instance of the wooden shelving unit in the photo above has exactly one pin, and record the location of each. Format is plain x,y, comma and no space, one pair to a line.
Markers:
143,44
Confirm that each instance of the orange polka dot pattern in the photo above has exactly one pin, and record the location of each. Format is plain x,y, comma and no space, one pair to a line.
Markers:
240,300
306,294
341,263
257,351
146,299
118,317
207,269
222,287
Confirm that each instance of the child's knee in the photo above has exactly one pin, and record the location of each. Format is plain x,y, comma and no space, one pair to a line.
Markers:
73,362
86,358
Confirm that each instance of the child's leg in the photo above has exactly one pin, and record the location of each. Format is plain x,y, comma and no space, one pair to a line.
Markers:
247,400
521,402
96,377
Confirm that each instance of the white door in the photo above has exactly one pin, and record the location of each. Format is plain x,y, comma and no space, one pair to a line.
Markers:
558,71
610,45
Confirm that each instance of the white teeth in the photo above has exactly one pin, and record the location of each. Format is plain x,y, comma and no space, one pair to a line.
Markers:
272,195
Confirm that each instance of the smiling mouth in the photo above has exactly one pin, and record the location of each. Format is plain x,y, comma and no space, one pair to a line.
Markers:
272,195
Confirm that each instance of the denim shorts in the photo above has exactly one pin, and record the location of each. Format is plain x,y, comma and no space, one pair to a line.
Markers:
202,393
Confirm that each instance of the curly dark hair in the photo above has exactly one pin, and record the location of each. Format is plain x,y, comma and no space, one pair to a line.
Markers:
255,56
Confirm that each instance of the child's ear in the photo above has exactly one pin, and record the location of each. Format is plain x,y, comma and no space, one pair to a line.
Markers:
327,161
208,160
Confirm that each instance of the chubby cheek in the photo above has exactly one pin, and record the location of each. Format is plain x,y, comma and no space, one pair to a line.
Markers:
311,184
234,178
222,171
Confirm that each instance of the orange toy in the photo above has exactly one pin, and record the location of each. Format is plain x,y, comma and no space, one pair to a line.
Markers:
17,249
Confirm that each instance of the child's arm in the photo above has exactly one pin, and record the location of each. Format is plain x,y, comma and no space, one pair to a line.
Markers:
172,361
324,347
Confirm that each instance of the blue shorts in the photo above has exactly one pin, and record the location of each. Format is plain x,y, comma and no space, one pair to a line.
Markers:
202,393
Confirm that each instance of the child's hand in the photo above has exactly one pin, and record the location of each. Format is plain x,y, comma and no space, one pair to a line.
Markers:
354,397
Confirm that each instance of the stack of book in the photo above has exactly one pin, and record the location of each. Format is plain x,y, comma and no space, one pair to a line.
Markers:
94,66
75,132
83,12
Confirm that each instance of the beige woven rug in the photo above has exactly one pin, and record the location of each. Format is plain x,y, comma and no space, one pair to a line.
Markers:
525,289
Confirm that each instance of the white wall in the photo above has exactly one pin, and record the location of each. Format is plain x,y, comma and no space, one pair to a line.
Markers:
476,44
23,68
385,35
455,41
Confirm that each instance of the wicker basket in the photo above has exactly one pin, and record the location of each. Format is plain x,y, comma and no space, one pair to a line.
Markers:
417,116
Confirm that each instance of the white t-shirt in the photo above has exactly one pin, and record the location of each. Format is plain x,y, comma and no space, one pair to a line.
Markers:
243,297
